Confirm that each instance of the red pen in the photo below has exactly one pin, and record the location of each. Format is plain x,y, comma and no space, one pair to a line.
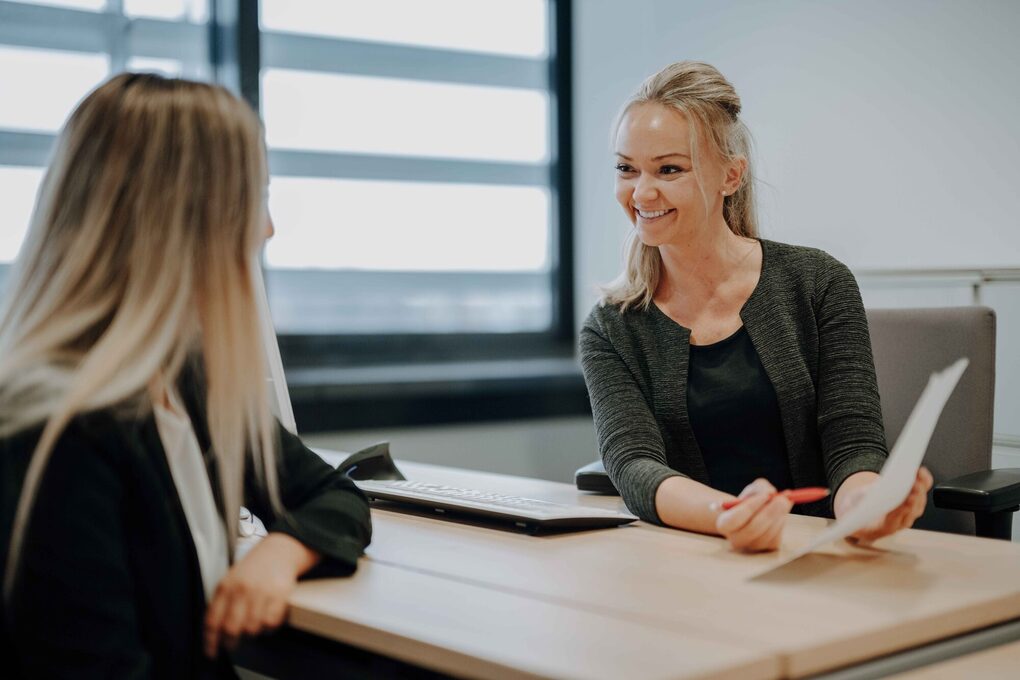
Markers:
808,494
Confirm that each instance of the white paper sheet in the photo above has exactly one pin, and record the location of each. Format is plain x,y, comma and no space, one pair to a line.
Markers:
900,469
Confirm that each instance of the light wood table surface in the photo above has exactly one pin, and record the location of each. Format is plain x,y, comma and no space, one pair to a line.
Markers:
836,607
474,630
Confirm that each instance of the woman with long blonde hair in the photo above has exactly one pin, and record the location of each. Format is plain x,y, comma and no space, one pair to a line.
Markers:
721,365
134,416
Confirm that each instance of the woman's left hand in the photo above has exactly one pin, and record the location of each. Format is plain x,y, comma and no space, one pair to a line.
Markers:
252,597
901,517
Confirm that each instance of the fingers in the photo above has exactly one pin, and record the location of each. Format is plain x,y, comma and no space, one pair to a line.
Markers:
758,486
763,530
904,515
235,620
917,500
253,620
754,496
236,611
269,613
214,614
275,614
773,539
733,520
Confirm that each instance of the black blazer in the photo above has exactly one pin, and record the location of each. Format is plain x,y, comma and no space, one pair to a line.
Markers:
109,584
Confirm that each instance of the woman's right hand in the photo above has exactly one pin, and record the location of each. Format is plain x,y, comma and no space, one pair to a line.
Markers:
756,525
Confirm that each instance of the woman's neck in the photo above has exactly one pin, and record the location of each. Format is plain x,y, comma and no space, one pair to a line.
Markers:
697,266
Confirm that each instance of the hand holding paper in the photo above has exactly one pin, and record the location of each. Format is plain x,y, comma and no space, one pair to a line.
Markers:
900,470
901,517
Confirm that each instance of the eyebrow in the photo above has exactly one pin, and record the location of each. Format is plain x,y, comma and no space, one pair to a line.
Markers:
657,158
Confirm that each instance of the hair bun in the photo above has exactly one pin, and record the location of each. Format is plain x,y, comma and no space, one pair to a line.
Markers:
732,108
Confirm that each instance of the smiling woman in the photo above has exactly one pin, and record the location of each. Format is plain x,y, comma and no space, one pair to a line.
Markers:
721,364
687,139
660,191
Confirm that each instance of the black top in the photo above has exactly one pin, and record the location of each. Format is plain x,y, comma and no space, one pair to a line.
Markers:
807,323
735,415
109,584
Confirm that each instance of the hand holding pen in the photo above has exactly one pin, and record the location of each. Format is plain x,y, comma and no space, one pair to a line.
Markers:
754,521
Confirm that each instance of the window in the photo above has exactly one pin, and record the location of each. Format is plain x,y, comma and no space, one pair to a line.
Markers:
72,46
420,183
419,179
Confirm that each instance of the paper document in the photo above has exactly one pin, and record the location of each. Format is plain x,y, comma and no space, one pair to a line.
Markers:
900,469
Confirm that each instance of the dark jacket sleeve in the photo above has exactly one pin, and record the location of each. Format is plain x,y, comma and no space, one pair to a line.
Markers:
628,436
323,508
73,609
849,408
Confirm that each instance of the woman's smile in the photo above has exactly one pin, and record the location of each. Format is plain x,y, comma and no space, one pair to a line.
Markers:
653,215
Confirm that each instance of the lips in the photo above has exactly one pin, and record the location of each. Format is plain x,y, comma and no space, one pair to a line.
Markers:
653,214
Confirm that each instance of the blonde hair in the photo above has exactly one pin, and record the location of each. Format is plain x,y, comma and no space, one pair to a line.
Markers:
711,105
140,254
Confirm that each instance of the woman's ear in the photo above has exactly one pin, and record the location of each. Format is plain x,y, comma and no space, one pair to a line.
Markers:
735,170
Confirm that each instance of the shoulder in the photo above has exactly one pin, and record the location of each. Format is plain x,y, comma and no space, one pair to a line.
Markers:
791,258
608,316
91,446
641,338
84,430
602,315
611,323
810,271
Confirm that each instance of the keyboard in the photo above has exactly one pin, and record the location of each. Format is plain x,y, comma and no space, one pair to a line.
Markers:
525,513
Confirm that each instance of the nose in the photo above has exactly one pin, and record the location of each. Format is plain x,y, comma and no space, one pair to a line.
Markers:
645,189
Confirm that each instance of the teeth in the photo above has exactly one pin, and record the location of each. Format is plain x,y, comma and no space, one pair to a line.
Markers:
648,215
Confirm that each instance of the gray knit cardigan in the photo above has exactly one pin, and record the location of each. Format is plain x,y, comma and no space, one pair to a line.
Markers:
806,320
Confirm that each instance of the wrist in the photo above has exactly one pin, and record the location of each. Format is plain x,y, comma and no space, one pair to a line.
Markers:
289,550
845,493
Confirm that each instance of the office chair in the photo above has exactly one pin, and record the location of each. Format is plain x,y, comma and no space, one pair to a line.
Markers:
909,345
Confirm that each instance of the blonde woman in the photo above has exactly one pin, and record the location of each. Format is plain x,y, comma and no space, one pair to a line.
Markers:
719,364
133,406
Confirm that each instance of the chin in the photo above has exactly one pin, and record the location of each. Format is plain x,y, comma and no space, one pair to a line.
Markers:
653,238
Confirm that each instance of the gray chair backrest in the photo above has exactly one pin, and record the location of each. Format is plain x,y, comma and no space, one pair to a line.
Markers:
909,345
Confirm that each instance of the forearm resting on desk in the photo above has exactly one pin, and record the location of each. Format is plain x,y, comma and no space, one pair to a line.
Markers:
686,504
755,525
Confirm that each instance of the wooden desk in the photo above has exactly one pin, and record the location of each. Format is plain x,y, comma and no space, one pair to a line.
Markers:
673,603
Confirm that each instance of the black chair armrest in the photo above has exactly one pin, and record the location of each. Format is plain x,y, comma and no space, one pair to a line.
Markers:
593,477
985,491
992,495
